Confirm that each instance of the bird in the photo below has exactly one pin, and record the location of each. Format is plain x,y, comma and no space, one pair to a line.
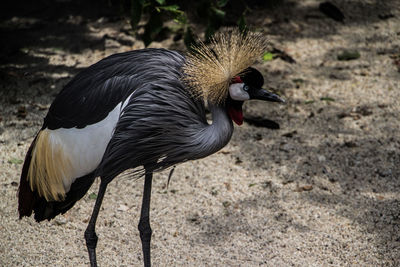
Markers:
136,113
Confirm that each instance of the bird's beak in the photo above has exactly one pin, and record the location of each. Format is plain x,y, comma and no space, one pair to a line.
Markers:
263,94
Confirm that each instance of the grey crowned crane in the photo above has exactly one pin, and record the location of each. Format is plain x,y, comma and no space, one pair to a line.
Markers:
142,111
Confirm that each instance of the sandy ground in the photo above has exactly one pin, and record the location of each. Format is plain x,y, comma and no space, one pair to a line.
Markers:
323,190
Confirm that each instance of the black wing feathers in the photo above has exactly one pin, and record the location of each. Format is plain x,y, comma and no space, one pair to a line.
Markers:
93,93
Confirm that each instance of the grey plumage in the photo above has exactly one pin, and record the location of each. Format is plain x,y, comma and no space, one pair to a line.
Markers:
162,125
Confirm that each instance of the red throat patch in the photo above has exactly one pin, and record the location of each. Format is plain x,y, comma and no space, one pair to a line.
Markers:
236,115
237,79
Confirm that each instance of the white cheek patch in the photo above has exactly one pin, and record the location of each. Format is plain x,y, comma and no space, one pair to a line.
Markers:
237,93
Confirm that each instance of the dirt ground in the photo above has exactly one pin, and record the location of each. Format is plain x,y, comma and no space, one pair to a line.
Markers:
322,190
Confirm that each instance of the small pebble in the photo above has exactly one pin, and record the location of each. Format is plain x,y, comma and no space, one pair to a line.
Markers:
321,158
123,208
304,188
60,220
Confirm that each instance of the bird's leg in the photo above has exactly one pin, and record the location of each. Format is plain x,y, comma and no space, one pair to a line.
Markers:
144,223
90,234
170,175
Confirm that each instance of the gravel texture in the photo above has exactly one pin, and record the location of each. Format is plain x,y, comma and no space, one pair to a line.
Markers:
323,190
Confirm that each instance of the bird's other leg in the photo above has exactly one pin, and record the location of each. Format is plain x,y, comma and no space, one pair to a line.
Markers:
90,233
144,223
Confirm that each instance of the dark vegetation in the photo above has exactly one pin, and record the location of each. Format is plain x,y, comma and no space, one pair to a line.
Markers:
210,14
62,25
147,17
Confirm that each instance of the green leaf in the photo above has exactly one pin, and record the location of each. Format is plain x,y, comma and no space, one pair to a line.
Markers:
251,185
222,3
219,13
161,2
348,55
15,161
327,99
171,8
136,12
92,196
181,18
268,56
309,102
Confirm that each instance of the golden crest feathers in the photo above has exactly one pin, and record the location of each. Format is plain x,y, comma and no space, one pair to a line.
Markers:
209,69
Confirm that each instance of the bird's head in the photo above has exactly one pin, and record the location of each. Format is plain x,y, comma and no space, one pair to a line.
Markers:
220,72
246,86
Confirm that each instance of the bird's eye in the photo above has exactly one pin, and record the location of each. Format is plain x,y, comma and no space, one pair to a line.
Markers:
246,88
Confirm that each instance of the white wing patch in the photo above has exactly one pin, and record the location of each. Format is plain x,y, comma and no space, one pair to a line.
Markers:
61,156
85,147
